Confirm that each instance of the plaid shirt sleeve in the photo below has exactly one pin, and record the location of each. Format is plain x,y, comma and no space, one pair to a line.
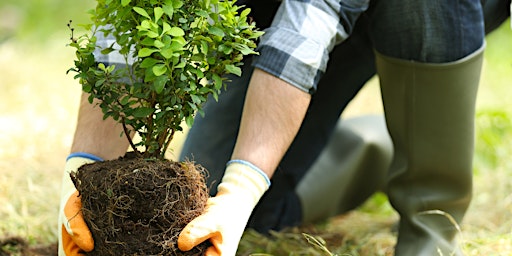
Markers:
112,58
296,46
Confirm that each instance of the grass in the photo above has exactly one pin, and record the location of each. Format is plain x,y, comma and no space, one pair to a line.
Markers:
38,107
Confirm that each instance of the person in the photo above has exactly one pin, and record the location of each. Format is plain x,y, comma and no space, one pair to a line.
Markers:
348,161
428,57
101,141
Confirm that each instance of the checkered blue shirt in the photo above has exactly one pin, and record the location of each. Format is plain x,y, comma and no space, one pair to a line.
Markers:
114,57
296,46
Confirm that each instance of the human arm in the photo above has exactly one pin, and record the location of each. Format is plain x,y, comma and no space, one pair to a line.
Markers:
93,135
294,54
273,112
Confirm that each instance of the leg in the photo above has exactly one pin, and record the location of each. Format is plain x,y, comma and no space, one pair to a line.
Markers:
358,153
354,60
429,87
352,166
495,13
431,124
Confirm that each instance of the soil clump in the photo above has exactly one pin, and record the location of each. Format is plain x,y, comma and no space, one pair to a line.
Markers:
136,206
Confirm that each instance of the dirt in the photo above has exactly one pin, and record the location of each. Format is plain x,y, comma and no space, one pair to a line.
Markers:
136,206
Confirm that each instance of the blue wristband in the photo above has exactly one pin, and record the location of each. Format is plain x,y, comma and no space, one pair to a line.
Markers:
252,166
84,155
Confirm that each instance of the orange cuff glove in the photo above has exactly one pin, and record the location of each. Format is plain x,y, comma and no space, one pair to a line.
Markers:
74,235
226,214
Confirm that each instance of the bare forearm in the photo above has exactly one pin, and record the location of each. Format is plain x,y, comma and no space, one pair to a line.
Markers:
96,136
273,113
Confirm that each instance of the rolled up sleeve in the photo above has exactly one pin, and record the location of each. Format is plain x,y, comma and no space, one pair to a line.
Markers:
296,46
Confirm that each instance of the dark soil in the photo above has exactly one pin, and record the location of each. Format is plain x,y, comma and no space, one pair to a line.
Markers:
135,206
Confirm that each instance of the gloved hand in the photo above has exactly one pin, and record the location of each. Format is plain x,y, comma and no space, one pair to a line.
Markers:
74,235
226,214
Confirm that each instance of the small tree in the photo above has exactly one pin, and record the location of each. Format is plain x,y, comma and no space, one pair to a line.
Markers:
176,54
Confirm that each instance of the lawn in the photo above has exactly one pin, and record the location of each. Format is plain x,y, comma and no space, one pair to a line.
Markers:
38,107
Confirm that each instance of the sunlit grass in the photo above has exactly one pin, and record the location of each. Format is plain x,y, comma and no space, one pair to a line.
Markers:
38,107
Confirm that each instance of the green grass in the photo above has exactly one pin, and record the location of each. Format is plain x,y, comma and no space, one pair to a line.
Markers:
38,107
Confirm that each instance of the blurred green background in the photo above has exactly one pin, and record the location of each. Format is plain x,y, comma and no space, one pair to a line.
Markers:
35,21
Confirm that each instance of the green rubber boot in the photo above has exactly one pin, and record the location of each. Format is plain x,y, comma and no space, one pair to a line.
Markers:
352,166
430,112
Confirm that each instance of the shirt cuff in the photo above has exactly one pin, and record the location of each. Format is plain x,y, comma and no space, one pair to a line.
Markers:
296,59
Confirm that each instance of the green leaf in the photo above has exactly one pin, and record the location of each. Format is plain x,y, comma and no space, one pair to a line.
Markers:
202,13
167,53
148,62
234,70
123,40
176,46
196,99
148,41
189,120
111,68
158,13
177,4
125,100
181,65
145,24
218,81
176,31
159,83
165,27
158,44
216,31
245,12
125,2
204,47
244,49
201,112
197,57
142,112
107,50
144,52
99,82
152,34
225,49
168,10
87,88
159,69
101,66
141,12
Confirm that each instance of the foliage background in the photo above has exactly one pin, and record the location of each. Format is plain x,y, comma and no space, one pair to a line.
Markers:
39,103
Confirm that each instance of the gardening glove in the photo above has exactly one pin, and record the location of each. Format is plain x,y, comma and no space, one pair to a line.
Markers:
74,235
226,214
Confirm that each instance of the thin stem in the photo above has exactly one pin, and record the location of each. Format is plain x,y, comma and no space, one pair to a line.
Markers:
168,142
127,134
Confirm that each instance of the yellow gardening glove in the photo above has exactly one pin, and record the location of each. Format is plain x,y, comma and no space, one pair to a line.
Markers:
75,238
226,214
